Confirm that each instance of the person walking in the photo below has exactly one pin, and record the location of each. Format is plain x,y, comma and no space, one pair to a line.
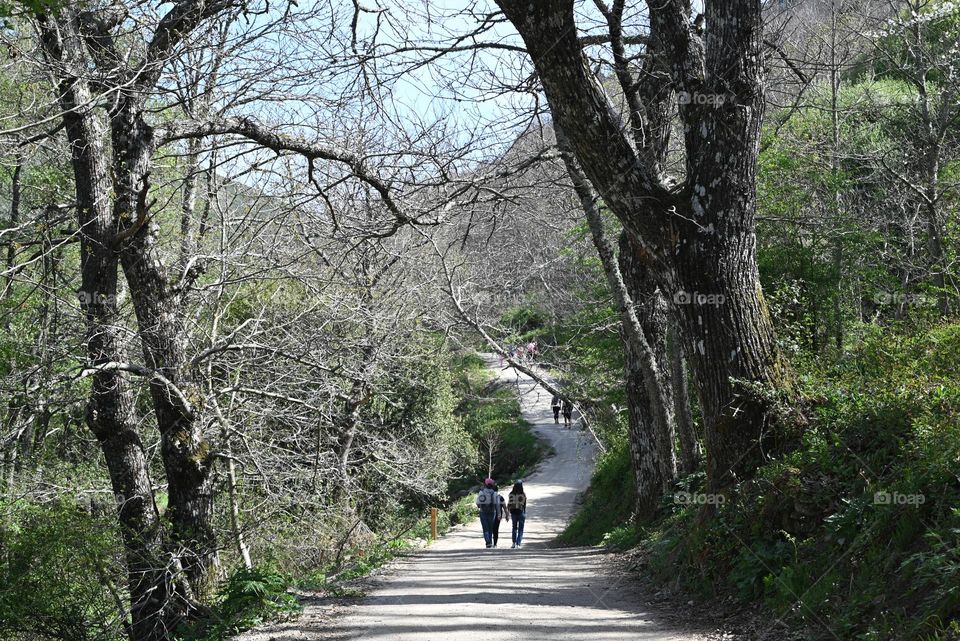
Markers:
567,413
555,406
517,506
489,505
501,514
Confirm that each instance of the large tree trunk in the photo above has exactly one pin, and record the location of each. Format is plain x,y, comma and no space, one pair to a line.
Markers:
651,312
686,432
186,454
699,236
155,603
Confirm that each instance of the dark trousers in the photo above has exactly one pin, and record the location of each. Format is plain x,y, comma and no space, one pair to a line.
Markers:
495,530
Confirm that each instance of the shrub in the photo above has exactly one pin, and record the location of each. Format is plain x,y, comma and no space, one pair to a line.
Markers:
246,599
60,577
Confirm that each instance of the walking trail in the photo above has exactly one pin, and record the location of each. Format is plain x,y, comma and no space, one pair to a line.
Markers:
456,590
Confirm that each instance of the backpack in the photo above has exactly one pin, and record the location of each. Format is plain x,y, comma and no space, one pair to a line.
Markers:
488,501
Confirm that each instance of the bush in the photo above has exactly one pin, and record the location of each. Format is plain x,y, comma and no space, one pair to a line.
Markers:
858,528
247,599
60,577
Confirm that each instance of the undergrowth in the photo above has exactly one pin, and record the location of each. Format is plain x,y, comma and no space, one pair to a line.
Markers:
853,535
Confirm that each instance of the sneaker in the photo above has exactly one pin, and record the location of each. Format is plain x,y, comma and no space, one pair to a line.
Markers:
489,545
513,547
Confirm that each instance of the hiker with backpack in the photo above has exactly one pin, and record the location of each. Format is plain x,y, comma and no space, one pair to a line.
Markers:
488,502
517,506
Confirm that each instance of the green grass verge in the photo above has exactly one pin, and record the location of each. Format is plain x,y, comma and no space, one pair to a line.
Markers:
609,501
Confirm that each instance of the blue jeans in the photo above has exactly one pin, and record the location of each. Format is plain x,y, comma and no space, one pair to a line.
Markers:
519,518
486,522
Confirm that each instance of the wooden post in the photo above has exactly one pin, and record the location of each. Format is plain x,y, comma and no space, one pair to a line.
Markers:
433,523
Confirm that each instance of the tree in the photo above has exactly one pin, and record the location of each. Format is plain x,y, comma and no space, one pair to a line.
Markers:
699,233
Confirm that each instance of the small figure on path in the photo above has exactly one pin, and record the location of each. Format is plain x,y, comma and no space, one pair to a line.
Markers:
517,505
501,512
531,350
567,413
555,406
489,505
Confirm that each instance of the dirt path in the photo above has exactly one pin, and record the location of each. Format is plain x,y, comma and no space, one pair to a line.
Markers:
456,590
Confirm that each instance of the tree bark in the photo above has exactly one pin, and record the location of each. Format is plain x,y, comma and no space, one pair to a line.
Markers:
651,311
649,411
699,236
156,600
186,454
686,431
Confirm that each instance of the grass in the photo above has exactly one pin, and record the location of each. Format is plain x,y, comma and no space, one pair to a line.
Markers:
608,503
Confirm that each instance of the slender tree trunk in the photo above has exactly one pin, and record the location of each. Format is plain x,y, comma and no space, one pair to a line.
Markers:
232,496
185,452
159,600
649,412
14,221
686,431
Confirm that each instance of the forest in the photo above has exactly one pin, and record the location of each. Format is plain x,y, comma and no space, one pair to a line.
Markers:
258,256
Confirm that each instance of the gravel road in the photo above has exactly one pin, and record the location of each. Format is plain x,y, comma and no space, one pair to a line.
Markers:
456,590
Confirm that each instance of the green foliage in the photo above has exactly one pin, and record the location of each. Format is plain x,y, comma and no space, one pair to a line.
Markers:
936,24
858,529
608,504
246,599
524,321
492,411
60,577
357,563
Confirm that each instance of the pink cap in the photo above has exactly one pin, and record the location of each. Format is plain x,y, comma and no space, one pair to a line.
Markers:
489,481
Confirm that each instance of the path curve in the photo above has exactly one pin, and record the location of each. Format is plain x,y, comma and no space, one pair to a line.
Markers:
456,590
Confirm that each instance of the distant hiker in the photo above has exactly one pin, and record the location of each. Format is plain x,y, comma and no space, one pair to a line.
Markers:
521,353
489,505
567,412
555,405
517,505
531,349
501,513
